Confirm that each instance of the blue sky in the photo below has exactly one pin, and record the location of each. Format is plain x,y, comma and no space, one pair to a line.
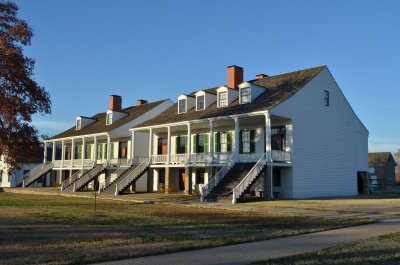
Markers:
88,50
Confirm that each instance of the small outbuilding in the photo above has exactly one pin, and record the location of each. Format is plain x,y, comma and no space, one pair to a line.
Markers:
384,166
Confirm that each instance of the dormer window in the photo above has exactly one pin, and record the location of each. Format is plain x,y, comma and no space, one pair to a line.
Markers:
78,124
182,106
245,95
223,99
200,102
109,119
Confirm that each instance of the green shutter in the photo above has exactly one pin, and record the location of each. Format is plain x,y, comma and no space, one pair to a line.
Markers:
112,150
216,142
105,151
252,141
206,143
177,140
99,151
240,143
186,145
229,141
194,138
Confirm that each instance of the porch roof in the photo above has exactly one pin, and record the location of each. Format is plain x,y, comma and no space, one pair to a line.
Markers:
99,126
278,88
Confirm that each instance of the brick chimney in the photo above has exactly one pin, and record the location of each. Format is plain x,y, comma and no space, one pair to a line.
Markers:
260,76
115,103
235,76
141,102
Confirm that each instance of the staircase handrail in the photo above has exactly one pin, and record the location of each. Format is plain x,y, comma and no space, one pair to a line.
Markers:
213,182
132,175
31,175
116,174
71,179
250,176
81,181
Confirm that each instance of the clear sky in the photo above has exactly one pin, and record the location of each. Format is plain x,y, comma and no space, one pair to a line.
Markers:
88,50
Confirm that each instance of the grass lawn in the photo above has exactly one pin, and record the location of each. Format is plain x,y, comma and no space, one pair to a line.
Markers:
61,230
383,250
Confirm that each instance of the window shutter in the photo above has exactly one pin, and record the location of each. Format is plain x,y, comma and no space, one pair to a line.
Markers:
112,150
252,141
206,142
186,145
217,142
177,141
240,143
194,142
229,141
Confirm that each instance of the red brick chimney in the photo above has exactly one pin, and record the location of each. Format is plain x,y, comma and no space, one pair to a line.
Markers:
260,76
115,103
235,76
141,102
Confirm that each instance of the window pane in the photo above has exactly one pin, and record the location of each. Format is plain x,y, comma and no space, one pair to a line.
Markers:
182,105
223,99
245,95
200,102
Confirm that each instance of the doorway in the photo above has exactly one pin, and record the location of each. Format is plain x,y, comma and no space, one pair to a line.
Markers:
182,177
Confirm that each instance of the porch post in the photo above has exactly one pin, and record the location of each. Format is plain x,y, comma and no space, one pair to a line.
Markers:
267,133
132,145
150,142
45,152
237,136
188,180
268,189
189,141
168,145
62,153
72,152
83,152
53,154
95,150
108,149
212,139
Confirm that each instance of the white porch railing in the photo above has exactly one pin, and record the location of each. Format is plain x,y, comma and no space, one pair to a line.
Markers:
200,158
159,159
191,158
222,157
178,158
250,157
131,176
248,179
212,183
281,156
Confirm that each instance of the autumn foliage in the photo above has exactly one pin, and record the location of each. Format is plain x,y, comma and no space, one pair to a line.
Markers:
20,95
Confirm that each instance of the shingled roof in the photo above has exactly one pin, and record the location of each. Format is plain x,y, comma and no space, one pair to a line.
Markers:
379,159
278,88
99,126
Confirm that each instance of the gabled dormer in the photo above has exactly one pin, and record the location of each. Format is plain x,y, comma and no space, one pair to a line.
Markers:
115,112
225,96
249,92
185,103
204,99
82,122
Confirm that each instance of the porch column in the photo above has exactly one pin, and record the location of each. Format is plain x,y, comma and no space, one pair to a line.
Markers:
132,145
188,181
268,189
168,147
95,150
62,153
189,141
83,152
45,152
108,149
237,136
168,181
267,133
212,139
72,152
53,154
150,142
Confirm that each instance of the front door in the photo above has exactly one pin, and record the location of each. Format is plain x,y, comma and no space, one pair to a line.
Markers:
182,177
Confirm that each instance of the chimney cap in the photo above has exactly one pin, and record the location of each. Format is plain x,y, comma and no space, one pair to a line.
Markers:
236,66
115,96
140,102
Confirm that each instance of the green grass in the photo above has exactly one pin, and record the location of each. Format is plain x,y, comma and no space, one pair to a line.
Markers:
65,230
383,250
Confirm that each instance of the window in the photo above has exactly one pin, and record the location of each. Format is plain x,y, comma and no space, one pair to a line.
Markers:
223,99
326,98
200,102
78,152
278,138
109,119
181,144
223,142
200,143
247,143
78,124
88,151
200,176
276,177
245,95
182,106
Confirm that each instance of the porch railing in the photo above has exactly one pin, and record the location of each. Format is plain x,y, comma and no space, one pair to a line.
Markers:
191,158
33,174
213,182
281,156
200,158
159,159
131,176
249,178
71,180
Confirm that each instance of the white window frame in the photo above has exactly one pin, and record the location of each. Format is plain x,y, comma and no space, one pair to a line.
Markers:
197,102
78,124
179,105
225,101
247,97
109,118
